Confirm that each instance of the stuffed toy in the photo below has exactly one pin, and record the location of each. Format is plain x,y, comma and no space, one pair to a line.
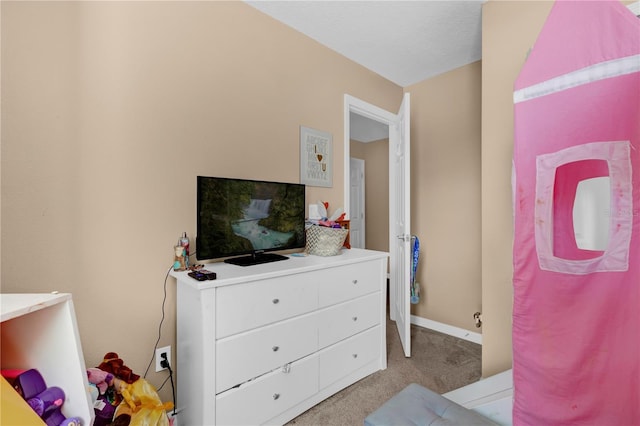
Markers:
110,399
114,365
143,404
100,378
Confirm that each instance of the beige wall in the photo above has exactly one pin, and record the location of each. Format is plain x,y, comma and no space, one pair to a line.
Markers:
445,194
376,162
111,109
509,30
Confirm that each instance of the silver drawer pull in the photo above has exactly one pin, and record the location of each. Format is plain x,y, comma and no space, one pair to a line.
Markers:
276,301
355,318
276,396
355,355
275,348
355,281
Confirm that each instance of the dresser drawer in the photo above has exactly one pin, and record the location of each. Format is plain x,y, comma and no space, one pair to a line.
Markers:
347,282
343,358
260,400
347,319
247,355
247,306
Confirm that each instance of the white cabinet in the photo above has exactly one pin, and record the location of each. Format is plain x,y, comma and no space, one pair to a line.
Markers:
40,331
264,343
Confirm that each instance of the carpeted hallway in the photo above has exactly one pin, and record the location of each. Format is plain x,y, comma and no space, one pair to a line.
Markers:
439,362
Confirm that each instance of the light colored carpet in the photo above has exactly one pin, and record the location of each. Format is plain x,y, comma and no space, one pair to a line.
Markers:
439,362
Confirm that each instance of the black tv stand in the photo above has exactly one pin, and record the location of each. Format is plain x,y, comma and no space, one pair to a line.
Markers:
256,259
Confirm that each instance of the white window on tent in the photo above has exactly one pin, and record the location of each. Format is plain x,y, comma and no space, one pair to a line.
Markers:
583,208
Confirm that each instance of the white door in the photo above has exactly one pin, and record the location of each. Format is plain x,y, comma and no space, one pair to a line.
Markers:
399,224
399,205
356,205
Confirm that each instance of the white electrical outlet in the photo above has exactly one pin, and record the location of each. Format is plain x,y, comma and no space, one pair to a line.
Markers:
159,352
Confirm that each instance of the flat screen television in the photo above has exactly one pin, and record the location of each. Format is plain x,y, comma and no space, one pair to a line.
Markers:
249,219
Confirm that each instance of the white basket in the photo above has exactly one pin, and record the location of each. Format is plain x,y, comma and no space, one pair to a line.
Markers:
325,241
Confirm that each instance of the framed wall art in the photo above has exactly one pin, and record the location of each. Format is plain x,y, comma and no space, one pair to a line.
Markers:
316,157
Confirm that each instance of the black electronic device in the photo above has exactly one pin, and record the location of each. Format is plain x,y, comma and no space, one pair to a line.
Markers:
249,219
202,275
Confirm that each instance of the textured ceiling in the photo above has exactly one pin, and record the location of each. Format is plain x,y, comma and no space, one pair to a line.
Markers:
404,41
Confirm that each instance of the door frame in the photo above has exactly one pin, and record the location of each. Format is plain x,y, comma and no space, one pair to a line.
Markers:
393,121
365,109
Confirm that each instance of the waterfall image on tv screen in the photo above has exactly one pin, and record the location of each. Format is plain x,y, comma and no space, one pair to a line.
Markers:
238,216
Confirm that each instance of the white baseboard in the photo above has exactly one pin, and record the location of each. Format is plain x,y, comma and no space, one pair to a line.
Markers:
460,333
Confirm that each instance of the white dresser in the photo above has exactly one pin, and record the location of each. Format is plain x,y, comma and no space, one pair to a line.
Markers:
264,343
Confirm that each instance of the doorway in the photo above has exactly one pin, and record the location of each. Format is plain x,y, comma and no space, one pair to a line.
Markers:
399,202
369,182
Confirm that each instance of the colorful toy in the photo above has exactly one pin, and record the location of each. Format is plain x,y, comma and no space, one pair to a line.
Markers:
113,364
415,287
102,379
46,402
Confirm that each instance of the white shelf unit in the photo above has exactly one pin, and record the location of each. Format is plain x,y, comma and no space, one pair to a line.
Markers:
264,343
40,331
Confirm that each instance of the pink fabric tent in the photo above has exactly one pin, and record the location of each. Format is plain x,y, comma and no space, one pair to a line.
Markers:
576,314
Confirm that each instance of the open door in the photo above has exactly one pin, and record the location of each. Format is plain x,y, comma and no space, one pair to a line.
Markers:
400,223
399,205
